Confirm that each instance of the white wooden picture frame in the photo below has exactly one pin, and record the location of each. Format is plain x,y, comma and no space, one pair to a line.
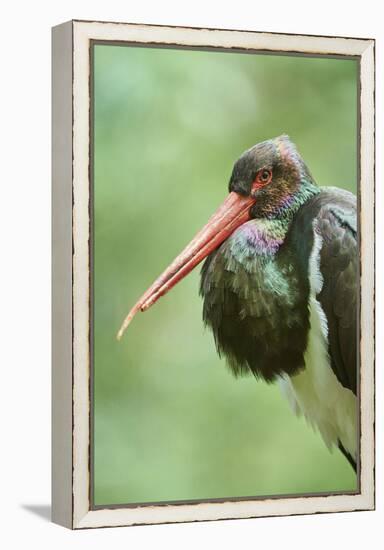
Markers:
71,495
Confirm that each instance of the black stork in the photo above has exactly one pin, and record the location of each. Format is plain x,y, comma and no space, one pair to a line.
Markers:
279,285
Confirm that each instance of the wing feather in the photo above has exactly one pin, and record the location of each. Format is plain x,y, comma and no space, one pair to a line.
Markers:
336,224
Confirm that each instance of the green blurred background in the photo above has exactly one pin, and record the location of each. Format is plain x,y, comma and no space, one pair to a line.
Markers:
170,421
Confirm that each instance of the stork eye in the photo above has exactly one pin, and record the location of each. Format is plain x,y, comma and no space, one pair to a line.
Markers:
264,175
263,178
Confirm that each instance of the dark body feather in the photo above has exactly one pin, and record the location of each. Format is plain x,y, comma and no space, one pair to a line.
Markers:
256,293
256,305
336,224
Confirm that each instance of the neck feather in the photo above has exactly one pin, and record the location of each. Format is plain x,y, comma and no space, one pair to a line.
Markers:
288,207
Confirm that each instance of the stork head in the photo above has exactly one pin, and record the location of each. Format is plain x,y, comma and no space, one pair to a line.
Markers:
274,175
270,180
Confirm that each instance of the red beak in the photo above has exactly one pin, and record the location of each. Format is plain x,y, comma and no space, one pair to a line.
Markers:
231,214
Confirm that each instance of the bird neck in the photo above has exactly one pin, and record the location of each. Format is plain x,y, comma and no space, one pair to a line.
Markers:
258,238
288,207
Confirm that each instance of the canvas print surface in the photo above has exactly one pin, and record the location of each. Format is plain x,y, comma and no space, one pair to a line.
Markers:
241,381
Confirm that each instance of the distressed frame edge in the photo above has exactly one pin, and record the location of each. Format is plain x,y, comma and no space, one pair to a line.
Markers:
83,517
367,276
61,383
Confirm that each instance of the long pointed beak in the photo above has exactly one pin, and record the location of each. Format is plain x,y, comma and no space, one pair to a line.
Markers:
233,212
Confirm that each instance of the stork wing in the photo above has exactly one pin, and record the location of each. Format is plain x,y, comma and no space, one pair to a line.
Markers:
336,224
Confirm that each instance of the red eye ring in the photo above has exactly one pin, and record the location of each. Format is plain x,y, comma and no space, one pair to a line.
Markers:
263,177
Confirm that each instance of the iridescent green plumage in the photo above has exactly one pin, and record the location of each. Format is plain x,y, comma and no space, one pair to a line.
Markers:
254,287
256,284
